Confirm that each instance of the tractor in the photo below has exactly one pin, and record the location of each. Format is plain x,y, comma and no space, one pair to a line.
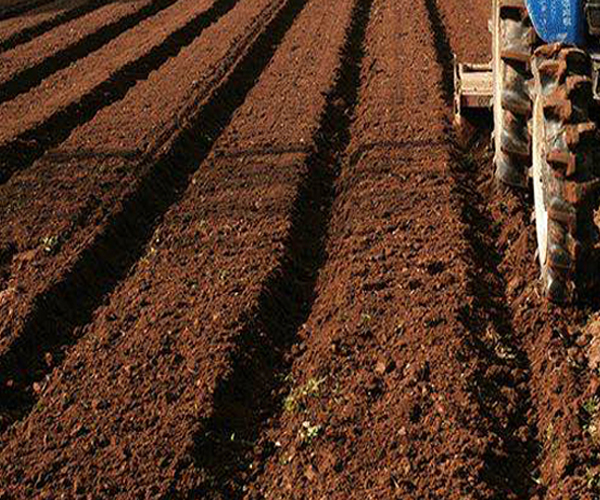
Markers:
543,87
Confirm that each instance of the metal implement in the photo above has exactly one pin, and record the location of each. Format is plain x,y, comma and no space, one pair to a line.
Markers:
473,87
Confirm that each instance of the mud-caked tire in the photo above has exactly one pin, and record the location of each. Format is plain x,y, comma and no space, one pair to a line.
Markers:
513,40
565,158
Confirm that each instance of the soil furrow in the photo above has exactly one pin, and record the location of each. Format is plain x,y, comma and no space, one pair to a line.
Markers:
222,242
383,379
22,72
468,29
22,7
12,27
259,358
501,382
556,346
94,224
38,25
245,255
108,78
548,440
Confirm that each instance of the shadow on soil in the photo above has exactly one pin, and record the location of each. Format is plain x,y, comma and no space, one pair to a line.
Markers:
245,400
32,144
64,15
501,384
67,306
29,7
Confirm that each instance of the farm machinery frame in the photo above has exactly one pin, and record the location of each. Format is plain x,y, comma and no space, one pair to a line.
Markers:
543,87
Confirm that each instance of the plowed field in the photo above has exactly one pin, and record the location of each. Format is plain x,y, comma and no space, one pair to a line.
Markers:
245,254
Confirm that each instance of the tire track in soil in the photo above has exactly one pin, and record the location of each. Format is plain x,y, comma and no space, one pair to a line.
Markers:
70,302
203,194
25,79
260,360
555,342
501,382
29,33
552,342
59,125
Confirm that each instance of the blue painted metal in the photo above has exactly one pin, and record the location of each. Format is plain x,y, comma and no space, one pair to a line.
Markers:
558,20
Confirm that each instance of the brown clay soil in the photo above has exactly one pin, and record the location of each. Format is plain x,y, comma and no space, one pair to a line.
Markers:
21,29
244,254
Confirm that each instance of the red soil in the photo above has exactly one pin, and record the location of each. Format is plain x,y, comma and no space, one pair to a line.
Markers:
80,79
244,255
9,28
247,191
28,55
84,187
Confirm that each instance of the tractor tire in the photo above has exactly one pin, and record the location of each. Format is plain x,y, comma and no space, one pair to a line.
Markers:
513,39
565,148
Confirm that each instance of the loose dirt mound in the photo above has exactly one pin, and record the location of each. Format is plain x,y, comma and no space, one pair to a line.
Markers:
244,255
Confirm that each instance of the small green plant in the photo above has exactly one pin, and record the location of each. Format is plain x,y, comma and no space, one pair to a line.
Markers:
591,406
296,399
309,431
593,430
365,319
591,417
552,439
592,480
469,161
50,244
550,433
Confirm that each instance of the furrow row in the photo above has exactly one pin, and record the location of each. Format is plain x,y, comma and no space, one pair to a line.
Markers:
14,8
235,241
385,366
18,31
75,95
250,394
96,199
501,381
26,66
547,354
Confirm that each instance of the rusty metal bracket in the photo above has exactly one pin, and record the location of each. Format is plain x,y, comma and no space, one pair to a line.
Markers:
473,87
595,55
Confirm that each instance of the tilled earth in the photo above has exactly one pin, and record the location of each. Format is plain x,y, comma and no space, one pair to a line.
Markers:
244,254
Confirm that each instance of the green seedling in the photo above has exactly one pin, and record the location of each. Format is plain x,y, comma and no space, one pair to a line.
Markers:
591,410
365,319
552,439
50,244
309,431
591,406
592,480
593,430
297,397
469,161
